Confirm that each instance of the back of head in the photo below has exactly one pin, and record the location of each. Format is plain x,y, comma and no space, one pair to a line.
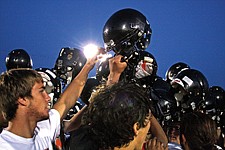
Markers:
113,112
199,130
14,84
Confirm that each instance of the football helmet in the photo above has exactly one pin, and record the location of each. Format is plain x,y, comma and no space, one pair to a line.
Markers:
194,87
18,58
88,89
69,63
126,31
51,82
217,93
142,65
102,71
163,100
174,70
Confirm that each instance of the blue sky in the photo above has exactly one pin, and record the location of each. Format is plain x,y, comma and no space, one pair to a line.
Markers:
191,31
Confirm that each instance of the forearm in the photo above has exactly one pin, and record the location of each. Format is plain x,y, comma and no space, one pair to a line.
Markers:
113,78
75,122
72,92
158,131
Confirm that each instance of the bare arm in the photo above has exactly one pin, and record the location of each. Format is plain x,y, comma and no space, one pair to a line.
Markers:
73,91
116,67
158,131
75,122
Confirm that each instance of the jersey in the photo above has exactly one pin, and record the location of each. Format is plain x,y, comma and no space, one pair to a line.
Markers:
44,134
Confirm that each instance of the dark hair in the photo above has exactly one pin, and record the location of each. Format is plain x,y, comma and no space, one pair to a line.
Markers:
113,112
199,130
15,84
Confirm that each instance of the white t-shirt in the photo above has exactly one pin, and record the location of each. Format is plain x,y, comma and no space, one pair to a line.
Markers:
44,134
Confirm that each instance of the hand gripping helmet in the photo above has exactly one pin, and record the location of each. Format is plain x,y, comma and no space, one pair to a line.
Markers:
69,63
174,70
126,29
195,86
18,58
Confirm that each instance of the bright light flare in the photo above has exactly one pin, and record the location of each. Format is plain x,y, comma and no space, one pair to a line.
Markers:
90,50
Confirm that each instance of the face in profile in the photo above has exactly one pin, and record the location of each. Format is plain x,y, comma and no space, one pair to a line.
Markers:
38,106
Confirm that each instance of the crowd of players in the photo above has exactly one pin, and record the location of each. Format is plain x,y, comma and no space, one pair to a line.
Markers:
128,33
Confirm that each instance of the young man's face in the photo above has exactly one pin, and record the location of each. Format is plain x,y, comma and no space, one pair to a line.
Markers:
39,107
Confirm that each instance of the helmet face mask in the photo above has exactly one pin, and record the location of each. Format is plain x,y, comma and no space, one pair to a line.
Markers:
125,29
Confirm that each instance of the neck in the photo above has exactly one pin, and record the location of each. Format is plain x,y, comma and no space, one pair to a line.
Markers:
22,126
131,146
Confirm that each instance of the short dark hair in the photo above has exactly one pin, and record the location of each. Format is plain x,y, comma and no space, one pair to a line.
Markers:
15,84
114,110
199,130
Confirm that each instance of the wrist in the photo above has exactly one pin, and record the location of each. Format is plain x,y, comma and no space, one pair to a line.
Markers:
113,78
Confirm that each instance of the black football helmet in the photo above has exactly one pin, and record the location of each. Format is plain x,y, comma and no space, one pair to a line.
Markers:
51,82
217,93
126,31
147,62
102,71
142,65
174,70
163,100
18,58
222,122
88,89
214,103
69,63
195,87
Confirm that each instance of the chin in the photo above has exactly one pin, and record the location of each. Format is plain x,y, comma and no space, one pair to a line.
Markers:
44,117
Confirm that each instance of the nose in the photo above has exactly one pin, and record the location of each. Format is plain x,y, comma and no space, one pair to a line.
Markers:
47,97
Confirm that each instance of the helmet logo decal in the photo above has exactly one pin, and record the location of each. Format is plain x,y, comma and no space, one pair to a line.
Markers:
70,56
187,80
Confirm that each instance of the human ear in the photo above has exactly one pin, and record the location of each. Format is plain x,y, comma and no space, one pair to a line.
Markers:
23,101
183,139
136,128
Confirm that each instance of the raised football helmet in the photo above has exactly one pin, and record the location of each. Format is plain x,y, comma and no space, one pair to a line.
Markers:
102,71
194,88
51,82
126,31
18,58
142,65
174,70
69,63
